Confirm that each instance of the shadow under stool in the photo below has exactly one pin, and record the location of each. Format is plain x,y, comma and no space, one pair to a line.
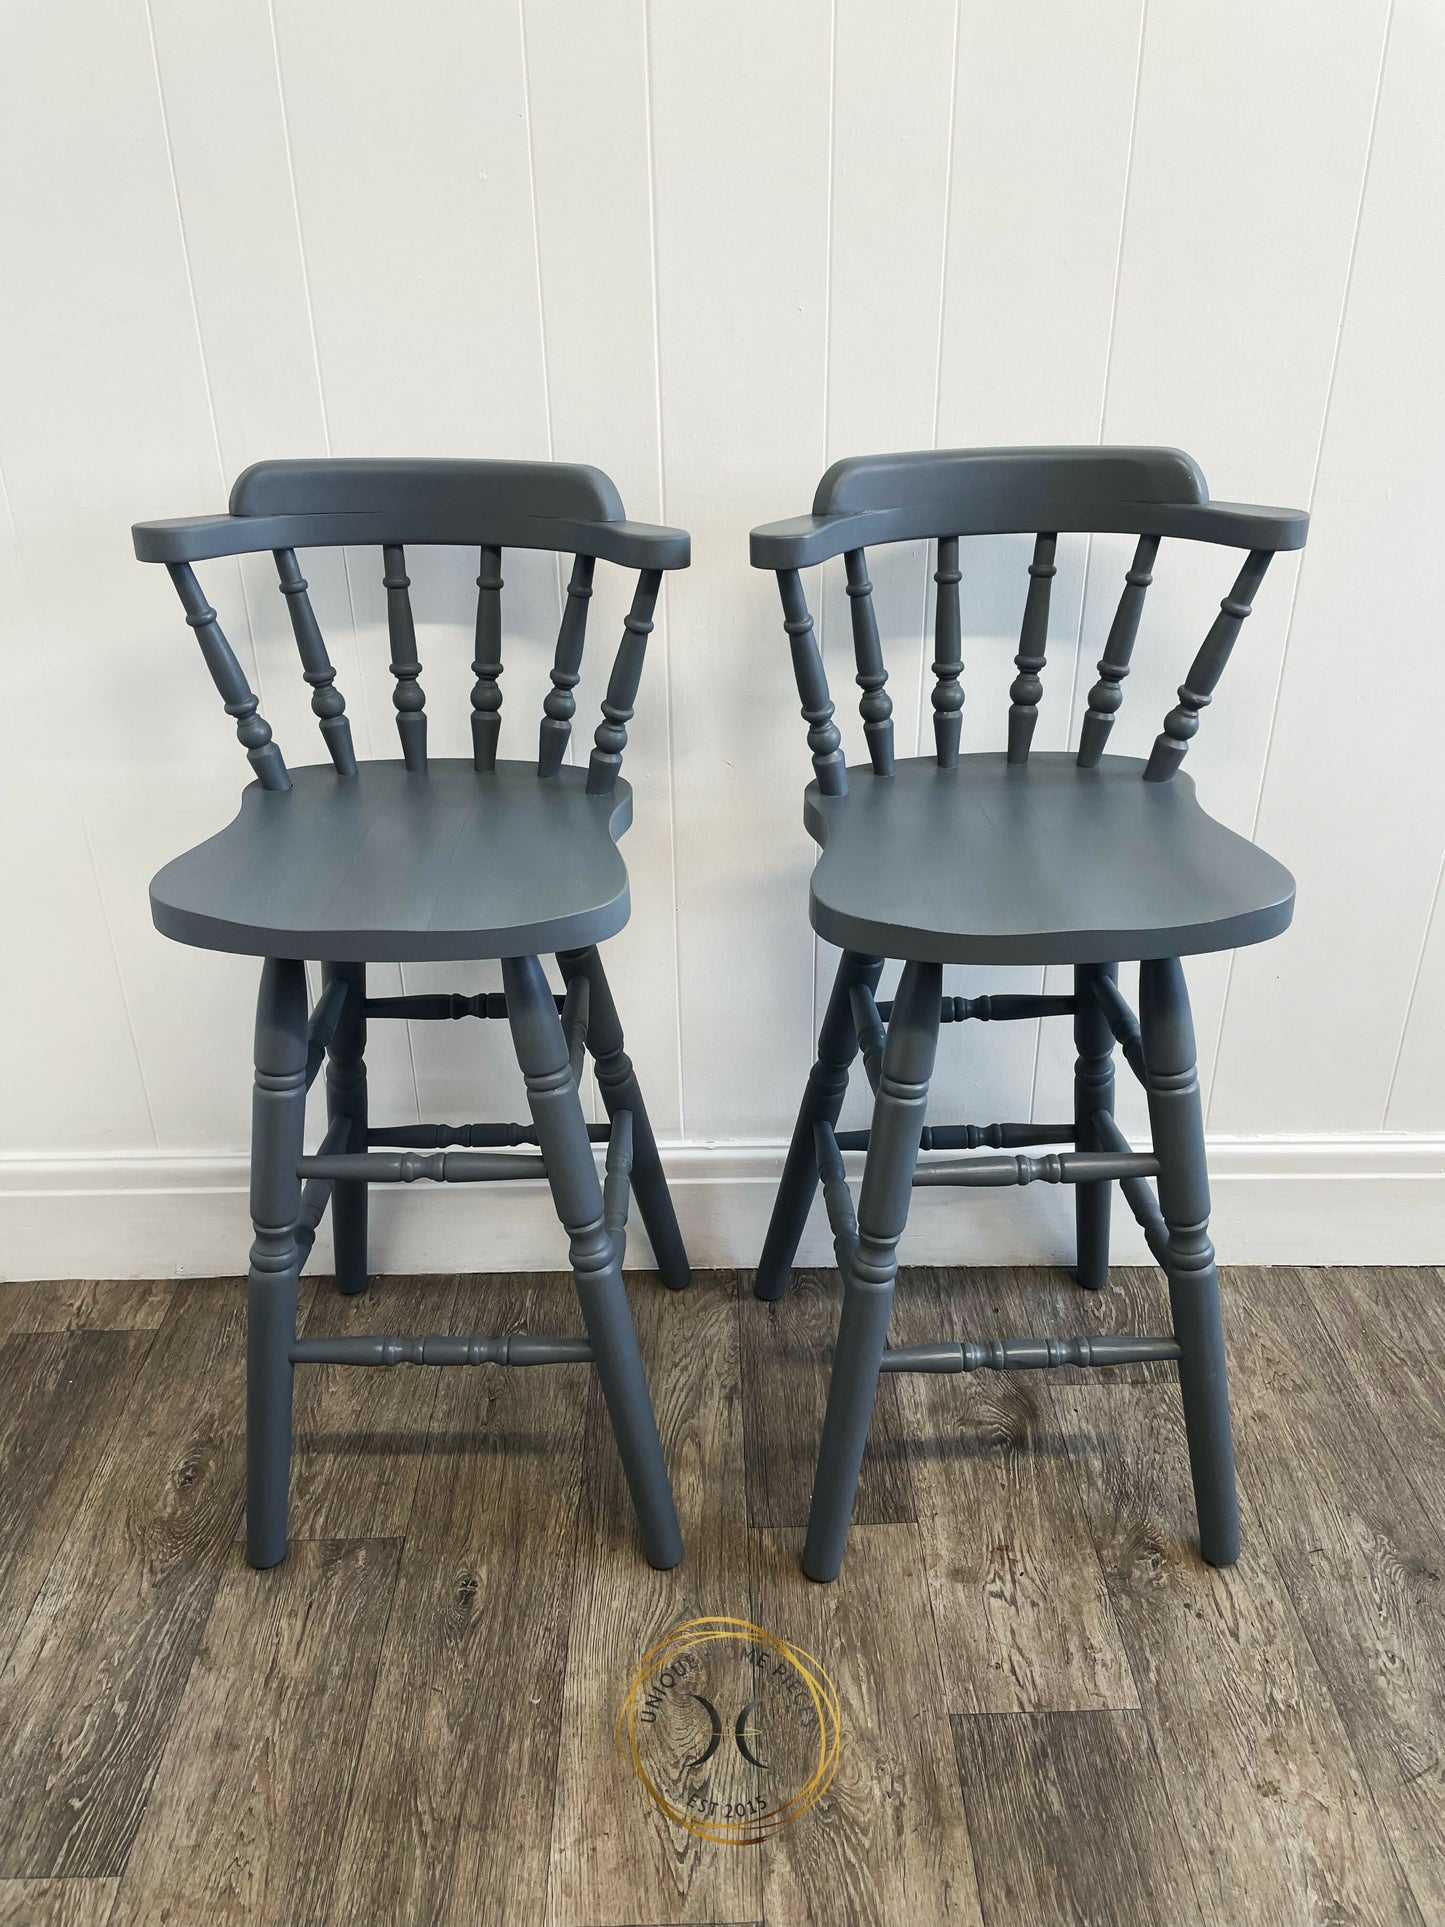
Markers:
423,859
1084,859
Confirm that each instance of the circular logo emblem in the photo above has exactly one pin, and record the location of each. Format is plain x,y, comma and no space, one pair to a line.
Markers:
733,1732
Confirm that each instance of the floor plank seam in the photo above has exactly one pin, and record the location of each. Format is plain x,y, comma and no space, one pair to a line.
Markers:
927,1588
356,1757
182,1689
577,1581
22,1619
751,1469
381,1645
1383,1432
1361,1766
1175,1817
1081,1498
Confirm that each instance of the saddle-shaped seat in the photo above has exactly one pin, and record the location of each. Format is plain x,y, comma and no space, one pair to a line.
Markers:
1038,862
401,866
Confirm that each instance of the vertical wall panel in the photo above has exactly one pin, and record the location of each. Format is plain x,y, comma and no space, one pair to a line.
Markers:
104,416
409,132
60,991
1041,152
410,139
1249,152
233,184
1355,795
243,247
590,111
892,129
740,109
1415,1102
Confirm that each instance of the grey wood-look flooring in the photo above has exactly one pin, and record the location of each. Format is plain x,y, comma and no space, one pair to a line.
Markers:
1051,1710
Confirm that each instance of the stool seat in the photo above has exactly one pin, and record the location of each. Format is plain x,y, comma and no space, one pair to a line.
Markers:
1036,862
398,865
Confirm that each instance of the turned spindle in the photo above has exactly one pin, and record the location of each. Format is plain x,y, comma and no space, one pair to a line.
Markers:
409,698
617,705
824,741
948,655
560,705
327,703
875,705
1182,722
252,729
1028,686
1107,694
487,663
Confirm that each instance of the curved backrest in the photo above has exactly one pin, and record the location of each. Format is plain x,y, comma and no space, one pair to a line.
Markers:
986,491
946,494
428,493
559,506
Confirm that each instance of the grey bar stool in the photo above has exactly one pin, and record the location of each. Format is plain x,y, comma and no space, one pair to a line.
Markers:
1086,859
423,859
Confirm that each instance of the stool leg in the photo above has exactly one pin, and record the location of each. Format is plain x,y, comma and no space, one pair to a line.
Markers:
822,1101
278,1130
618,1084
577,1194
346,1097
898,1113
1177,1124
1093,1091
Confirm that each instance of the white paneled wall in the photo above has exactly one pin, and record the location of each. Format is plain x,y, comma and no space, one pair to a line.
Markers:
711,250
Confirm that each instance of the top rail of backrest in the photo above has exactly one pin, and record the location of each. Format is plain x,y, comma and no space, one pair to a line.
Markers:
560,506
870,499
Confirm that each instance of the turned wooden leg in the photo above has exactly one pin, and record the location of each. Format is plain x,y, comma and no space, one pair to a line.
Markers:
596,1265
1177,1122
278,1128
618,1084
346,1097
822,1101
1093,1091
898,1113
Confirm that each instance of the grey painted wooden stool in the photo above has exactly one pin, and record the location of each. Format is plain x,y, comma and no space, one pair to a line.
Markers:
1085,860
416,860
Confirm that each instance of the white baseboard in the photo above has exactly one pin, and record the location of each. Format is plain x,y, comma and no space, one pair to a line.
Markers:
1301,1200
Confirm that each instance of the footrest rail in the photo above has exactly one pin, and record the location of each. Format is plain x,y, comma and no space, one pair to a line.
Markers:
442,1167
1029,1354
441,1349
972,1137
1068,1167
1007,1009
437,1137
440,1006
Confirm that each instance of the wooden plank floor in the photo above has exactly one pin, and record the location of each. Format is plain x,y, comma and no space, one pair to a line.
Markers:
1052,1712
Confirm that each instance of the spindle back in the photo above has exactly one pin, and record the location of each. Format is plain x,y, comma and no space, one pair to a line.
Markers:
946,494
491,506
